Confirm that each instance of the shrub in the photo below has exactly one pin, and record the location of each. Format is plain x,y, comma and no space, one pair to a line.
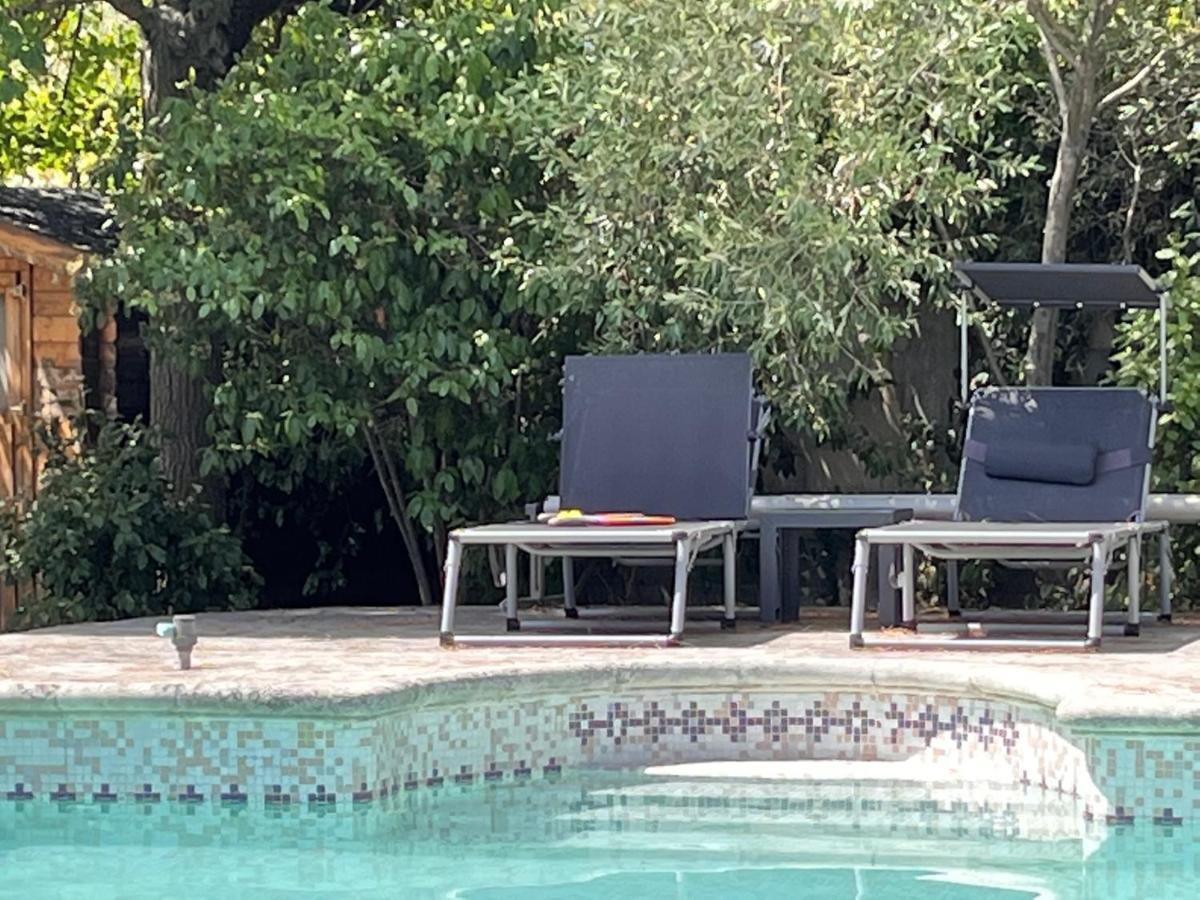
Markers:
1177,443
327,218
107,539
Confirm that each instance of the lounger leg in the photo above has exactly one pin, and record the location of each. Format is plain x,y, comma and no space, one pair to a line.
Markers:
568,572
1134,573
858,596
770,607
537,577
729,551
953,604
511,577
1096,605
450,591
908,614
887,587
1166,575
679,598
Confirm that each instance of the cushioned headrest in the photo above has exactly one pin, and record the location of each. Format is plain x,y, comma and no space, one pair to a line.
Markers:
1053,463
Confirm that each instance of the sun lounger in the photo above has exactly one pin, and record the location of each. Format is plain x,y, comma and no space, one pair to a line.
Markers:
674,435
1049,477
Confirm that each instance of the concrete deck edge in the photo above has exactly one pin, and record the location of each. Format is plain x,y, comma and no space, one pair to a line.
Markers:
1072,703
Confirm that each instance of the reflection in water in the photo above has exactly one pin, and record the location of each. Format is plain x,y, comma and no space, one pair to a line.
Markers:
603,837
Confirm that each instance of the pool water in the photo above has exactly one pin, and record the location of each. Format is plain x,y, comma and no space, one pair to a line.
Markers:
598,836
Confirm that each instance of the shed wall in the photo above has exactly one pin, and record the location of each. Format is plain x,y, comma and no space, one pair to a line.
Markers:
45,377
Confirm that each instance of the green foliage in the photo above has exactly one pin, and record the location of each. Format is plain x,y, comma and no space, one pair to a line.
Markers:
22,50
764,176
106,538
69,94
327,218
398,226
1177,462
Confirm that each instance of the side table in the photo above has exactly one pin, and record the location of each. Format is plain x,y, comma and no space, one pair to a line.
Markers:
779,585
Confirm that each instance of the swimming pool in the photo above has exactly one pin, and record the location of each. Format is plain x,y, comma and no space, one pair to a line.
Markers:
811,778
600,835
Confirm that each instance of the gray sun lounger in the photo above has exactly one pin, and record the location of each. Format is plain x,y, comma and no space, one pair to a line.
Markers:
1049,476
673,435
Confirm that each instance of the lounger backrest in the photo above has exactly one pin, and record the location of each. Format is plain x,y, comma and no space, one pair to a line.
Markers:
1057,455
657,433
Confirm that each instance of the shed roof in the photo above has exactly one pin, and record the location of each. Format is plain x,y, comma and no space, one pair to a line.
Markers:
78,219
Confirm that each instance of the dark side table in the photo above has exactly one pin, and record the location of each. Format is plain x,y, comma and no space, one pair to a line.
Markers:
779,538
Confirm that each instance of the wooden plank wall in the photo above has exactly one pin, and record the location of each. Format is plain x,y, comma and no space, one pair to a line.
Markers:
45,377
17,471
57,346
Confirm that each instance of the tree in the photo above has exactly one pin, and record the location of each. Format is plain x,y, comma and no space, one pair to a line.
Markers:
1087,48
764,176
68,94
187,45
347,278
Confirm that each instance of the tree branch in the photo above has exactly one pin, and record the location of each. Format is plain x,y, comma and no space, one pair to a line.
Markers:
389,480
989,354
66,84
139,12
1059,39
1102,14
1131,210
1132,84
1056,79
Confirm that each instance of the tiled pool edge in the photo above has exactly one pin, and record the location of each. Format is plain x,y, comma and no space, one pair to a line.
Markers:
284,750
188,759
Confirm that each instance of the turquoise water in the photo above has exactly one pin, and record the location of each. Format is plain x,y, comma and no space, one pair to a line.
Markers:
599,837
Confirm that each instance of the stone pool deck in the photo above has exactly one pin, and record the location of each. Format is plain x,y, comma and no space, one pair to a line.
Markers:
349,662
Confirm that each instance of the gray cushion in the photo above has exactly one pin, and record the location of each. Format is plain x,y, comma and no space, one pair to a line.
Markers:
1051,463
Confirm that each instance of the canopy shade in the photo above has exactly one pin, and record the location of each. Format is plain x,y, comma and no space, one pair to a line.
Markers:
1060,284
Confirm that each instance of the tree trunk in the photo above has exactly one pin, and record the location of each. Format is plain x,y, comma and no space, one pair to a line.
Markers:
1039,360
180,402
1078,103
179,48
388,473
1102,331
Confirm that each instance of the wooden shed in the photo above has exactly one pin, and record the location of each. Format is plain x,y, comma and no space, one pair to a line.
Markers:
48,367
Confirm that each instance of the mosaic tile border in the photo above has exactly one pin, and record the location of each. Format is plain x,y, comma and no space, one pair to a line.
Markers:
318,764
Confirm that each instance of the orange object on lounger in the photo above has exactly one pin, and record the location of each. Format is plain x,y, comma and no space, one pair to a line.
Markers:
579,517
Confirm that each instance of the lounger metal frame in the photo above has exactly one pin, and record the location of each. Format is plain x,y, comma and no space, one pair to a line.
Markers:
1084,543
683,541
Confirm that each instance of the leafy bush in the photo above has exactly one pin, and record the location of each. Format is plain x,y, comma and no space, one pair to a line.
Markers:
1177,452
107,539
327,218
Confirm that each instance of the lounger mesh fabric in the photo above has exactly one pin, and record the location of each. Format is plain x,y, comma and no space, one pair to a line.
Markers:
1063,432
661,434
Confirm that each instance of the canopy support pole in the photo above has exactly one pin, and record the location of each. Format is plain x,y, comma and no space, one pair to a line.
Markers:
1164,384
963,362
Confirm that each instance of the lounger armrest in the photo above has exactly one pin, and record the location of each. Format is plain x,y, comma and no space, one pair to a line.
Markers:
762,418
